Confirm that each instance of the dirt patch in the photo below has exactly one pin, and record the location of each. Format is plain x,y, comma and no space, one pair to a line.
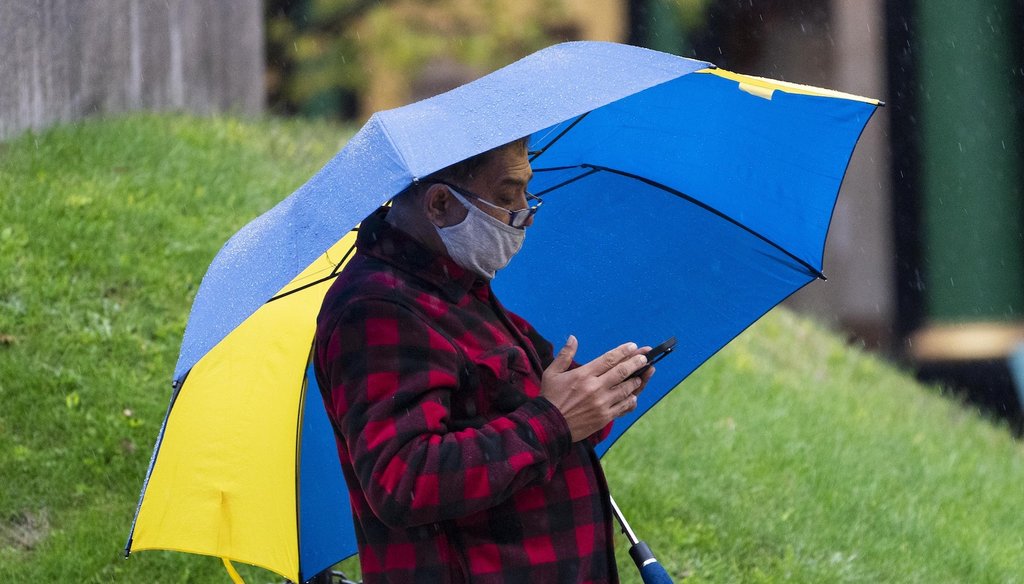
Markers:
25,530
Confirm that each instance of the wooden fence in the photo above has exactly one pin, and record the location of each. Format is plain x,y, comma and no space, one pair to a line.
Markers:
61,60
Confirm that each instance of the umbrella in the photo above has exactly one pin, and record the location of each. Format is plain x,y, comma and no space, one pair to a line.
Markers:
680,200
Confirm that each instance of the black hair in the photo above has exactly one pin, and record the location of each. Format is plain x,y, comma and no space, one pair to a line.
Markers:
462,171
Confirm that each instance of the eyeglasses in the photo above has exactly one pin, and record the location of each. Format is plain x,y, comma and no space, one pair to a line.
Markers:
517,218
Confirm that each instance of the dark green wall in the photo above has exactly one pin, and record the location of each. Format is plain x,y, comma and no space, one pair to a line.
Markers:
968,98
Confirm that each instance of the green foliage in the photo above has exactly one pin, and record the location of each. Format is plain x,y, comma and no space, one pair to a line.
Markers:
313,61
322,54
692,14
787,457
485,35
669,25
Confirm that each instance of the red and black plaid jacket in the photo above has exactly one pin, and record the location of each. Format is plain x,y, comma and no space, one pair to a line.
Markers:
458,470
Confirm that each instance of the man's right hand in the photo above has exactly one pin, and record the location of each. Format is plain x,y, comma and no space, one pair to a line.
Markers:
592,395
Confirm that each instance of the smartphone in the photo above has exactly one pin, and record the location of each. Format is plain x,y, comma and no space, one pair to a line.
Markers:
656,354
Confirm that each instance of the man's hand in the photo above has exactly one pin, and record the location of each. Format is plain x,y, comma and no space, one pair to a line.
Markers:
594,394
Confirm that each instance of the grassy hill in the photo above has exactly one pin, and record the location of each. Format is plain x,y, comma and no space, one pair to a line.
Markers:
787,457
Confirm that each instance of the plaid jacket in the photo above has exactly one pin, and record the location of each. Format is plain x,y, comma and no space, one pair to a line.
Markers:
458,470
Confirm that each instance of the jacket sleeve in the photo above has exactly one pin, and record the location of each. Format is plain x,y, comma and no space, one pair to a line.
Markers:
545,351
391,377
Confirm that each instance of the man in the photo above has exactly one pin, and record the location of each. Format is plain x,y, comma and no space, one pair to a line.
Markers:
466,444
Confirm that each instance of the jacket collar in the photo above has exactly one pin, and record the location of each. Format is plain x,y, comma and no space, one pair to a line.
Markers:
381,240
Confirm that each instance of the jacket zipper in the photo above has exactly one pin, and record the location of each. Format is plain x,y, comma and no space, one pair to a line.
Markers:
455,548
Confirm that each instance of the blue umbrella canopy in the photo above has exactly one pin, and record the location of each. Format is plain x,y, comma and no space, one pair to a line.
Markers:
689,210
680,200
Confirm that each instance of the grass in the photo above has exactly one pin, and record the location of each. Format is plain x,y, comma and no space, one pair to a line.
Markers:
107,228
787,457
795,458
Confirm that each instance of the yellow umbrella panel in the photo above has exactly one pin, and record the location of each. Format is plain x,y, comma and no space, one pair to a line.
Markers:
226,477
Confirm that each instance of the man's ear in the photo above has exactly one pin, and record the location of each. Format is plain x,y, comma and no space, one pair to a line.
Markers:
437,205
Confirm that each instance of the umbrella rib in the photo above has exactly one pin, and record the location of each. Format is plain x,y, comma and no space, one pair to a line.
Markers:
566,182
304,384
816,272
554,168
332,276
537,153
176,389
337,267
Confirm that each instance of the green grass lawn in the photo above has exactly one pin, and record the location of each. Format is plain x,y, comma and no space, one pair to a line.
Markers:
787,457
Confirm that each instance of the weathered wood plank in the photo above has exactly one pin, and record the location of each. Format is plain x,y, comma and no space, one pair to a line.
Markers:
61,60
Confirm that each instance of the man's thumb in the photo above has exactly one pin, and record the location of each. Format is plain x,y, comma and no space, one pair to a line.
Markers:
565,355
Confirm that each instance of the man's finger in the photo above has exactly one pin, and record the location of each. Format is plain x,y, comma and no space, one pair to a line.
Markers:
624,390
609,360
644,350
617,374
565,355
625,406
644,378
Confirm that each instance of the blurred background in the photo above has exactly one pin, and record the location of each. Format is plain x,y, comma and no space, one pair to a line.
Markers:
925,256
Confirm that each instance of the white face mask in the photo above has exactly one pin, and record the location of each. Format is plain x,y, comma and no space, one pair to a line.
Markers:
481,243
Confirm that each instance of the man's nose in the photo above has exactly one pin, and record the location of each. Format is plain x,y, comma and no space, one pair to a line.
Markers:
526,204
528,222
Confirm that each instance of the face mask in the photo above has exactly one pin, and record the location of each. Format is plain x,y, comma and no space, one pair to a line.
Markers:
481,243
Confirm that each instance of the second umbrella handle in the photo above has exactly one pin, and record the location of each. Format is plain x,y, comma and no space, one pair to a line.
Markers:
651,571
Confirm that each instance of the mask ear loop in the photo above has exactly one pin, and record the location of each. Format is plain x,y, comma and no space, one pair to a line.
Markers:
474,209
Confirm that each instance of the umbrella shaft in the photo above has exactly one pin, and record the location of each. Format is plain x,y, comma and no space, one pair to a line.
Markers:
633,540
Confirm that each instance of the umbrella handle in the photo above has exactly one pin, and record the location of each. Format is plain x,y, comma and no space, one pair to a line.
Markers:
651,571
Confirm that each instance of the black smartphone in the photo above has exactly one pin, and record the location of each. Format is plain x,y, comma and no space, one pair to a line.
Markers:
656,354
